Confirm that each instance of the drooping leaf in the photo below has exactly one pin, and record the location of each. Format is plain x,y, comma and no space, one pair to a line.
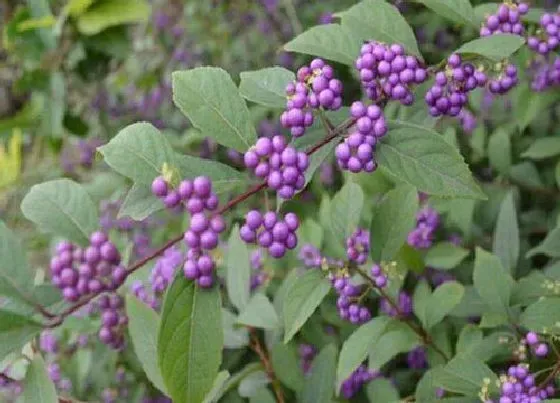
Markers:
104,14
287,368
320,385
61,207
259,313
301,300
506,234
143,324
494,47
238,273
37,386
382,390
464,374
235,336
499,151
355,348
442,301
139,203
422,158
190,340
345,210
458,11
399,338
492,282
330,41
543,148
393,218
469,339
15,331
549,247
380,21
543,316
267,86
211,101
445,256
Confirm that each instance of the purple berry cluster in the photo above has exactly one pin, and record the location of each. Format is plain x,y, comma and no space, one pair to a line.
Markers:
507,20
357,246
61,383
356,152
281,165
306,353
505,81
448,95
538,348
545,74
427,222
81,272
196,195
356,380
404,304
271,231
113,320
164,269
519,385
258,277
548,36
347,303
378,276
416,359
310,256
387,73
48,342
315,87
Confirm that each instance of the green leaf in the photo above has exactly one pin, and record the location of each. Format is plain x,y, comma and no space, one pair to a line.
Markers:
252,383
355,348
16,278
526,173
53,116
392,220
445,256
262,396
346,209
311,232
61,207
260,313
506,234
225,179
235,336
422,158
549,247
39,9
15,332
543,316
138,152
493,47
139,203
399,338
377,20
285,362
464,374
492,282
211,101
426,387
330,41
421,300
301,300
458,11
105,14
190,340
143,324
382,390
217,386
317,159
37,386
499,151
267,86
529,289
469,339
319,386
442,301
76,7
543,148
238,273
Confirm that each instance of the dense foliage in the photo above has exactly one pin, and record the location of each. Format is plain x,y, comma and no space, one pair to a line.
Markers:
374,217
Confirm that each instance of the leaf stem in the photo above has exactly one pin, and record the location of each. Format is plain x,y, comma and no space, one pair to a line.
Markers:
555,371
263,356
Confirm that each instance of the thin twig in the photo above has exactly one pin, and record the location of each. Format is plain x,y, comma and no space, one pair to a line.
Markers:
263,356
555,371
426,339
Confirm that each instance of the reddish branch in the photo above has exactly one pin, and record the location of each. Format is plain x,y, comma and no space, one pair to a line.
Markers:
265,360
57,320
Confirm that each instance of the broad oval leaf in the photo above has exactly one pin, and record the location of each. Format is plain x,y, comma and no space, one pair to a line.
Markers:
506,234
139,203
550,246
115,12
543,316
260,313
464,374
422,158
494,47
267,86
345,210
61,207
392,220
287,368
378,20
211,101
143,324
238,273
445,256
138,152
15,331
492,282
330,41
320,385
543,148
442,301
37,386
301,300
458,11
190,340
